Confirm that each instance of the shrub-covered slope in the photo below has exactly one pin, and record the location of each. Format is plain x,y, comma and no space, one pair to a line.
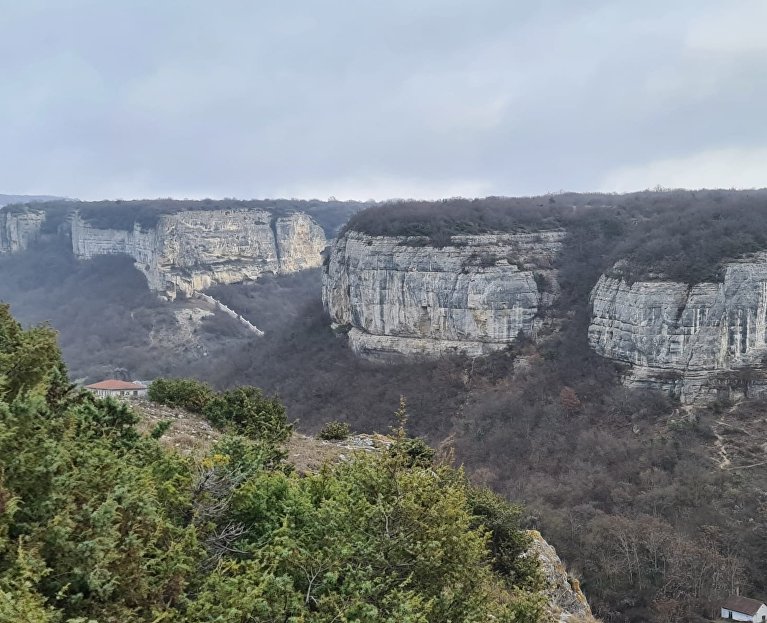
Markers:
99,522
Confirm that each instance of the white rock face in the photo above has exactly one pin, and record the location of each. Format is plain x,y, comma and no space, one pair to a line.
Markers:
398,296
19,229
692,340
189,251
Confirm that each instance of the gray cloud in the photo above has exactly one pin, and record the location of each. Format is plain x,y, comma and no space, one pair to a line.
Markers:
362,99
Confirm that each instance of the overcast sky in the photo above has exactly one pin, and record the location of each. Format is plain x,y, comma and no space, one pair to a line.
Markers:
379,99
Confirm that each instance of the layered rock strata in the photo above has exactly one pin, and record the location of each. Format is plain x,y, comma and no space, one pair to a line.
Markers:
189,251
18,230
402,296
696,341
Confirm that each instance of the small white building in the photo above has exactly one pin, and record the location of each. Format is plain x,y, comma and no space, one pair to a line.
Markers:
738,608
118,389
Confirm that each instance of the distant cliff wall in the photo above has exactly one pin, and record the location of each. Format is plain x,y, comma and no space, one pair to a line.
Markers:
190,251
18,230
694,340
404,296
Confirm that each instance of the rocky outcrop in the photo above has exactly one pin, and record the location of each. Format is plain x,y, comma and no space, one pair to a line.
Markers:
565,600
696,341
189,251
402,296
19,229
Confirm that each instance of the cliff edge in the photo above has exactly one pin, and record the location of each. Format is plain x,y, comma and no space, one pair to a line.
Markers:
695,340
189,251
399,295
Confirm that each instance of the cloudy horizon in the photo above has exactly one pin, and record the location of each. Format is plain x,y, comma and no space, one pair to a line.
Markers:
370,100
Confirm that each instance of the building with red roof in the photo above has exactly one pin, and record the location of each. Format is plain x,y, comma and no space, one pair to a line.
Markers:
121,389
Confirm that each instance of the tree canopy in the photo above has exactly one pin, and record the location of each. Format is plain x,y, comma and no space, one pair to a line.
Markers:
677,234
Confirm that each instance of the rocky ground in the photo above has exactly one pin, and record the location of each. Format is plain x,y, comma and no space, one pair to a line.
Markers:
185,334
191,434
567,603
309,454
740,439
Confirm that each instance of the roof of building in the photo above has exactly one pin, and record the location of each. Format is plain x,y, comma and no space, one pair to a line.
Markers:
742,604
114,384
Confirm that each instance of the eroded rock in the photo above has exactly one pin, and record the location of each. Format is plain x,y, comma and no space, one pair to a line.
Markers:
693,340
566,601
402,296
19,229
190,251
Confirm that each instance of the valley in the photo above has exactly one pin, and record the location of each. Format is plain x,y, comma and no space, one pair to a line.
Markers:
590,356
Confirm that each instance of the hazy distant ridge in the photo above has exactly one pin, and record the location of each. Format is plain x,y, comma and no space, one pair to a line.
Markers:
9,199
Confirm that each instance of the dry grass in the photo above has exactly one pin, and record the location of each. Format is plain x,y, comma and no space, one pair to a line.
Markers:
309,454
190,434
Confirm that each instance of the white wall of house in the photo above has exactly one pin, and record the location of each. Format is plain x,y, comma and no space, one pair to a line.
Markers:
733,615
121,393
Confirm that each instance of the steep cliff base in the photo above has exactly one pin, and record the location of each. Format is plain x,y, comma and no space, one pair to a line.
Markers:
391,348
700,386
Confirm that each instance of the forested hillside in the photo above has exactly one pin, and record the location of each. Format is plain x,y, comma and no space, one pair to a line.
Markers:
681,234
109,323
99,522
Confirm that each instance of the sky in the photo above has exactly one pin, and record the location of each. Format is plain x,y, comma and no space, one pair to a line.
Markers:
361,99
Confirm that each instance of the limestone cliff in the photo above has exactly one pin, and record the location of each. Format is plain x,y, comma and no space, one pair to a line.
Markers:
565,600
19,229
403,296
189,251
694,340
